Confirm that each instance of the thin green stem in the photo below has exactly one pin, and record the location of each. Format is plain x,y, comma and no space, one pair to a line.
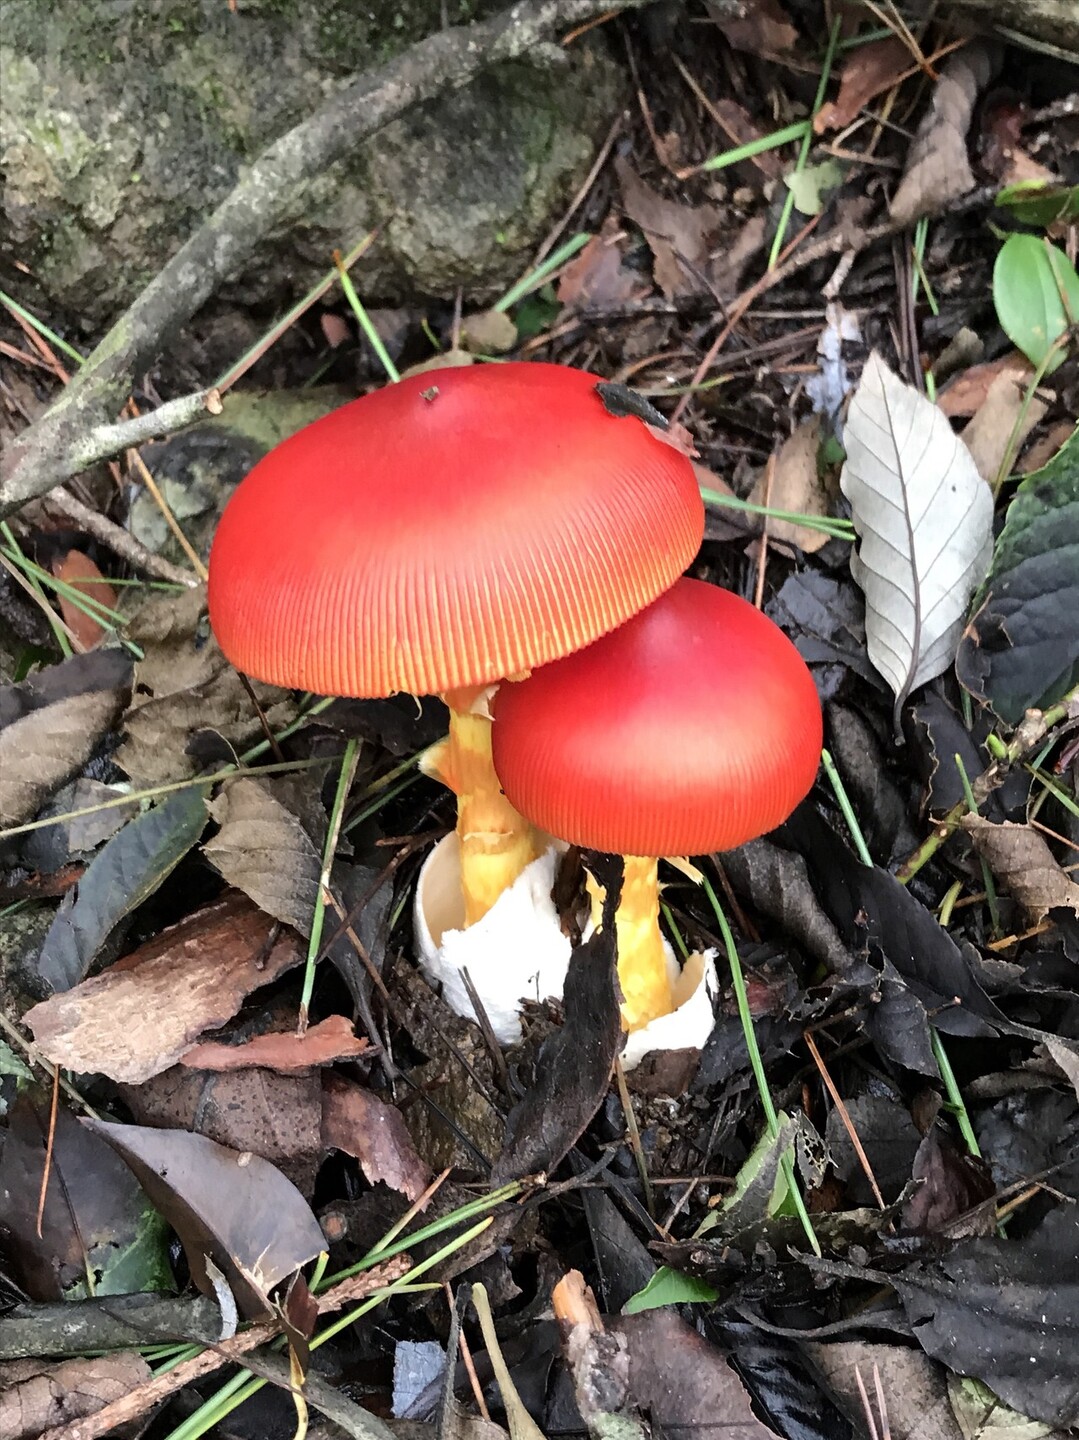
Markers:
344,782
757,1064
798,131
373,337
840,792
838,529
806,145
41,328
951,1088
536,277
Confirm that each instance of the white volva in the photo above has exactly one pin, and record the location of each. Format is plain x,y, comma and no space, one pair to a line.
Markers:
518,951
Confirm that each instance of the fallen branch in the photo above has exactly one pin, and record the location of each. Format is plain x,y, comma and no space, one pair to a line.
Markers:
105,441
47,452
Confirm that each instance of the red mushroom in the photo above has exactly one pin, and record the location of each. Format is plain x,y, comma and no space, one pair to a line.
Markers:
694,727
444,533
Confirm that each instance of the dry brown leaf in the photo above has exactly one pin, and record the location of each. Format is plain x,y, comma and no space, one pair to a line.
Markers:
259,1111
680,236
184,684
763,29
966,393
870,70
36,1395
795,486
264,850
42,749
988,434
372,1132
1023,863
488,332
138,1017
1046,446
937,168
283,1050
597,277
445,360
80,573
727,267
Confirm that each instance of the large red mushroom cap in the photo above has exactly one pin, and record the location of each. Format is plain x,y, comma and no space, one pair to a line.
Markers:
694,727
447,531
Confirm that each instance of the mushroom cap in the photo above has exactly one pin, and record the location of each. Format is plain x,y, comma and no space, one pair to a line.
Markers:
447,531
694,727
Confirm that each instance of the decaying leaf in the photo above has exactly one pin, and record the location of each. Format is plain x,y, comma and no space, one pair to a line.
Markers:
924,519
914,1385
97,670
142,1014
1004,413
795,486
36,1396
1022,647
42,749
597,276
938,169
967,393
488,332
120,877
98,1233
372,1132
264,850
679,236
1021,860
869,70
185,684
762,28
234,1209
282,1050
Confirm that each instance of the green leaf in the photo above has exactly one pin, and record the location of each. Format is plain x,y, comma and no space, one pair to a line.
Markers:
121,876
1022,647
808,185
1040,202
1036,292
668,1287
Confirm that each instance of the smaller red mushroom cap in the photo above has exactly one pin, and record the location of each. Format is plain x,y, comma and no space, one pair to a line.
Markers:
447,531
694,727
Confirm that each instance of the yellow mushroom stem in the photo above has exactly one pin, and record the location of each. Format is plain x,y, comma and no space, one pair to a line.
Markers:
642,956
496,842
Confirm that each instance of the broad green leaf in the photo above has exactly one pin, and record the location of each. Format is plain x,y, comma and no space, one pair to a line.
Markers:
1040,202
1036,292
668,1287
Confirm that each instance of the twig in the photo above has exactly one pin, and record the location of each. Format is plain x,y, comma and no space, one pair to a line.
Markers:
138,1401
104,441
41,456
120,541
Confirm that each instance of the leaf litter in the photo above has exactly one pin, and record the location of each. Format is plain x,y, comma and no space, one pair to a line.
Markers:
192,1034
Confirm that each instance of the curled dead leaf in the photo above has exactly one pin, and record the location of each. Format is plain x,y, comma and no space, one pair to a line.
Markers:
1021,860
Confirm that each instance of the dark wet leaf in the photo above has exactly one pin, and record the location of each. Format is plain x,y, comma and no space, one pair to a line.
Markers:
775,881
1029,1132
825,617
574,1066
1021,860
889,1138
51,848
945,736
1006,1312
129,869
623,1264
44,748
878,802
264,850
402,724
141,1015
786,1390
96,1225
234,1208
914,1386
1022,647
950,1182
79,675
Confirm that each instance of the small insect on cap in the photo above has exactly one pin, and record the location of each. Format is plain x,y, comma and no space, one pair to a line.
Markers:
447,531
694,727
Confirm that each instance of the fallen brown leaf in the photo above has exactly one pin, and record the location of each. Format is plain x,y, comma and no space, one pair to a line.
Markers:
795,486
36,1395
232,1208
740,128
1046,446
372,1132
988,433
80,573
679,236
142,1014
1023,863
488,332
263,849
938,169
42,749
914,1385
283,1050
966,393
597,276
762,29
869,70
275,1116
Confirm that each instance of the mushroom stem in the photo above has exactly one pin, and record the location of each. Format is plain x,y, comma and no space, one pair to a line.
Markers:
497,843
642,957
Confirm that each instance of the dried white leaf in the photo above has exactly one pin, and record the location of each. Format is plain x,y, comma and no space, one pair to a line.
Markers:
924,518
